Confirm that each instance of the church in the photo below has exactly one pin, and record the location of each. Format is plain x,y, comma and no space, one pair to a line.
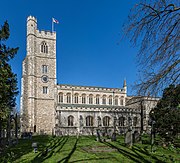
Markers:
63,109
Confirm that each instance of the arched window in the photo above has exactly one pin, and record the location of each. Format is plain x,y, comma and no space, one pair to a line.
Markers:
110,100
61,97
83,98
116,100
70,120
104,100
121,121
68,97
44,47
122,100
89,121
97,99
76,98
90,99
135,121
44,69
106,121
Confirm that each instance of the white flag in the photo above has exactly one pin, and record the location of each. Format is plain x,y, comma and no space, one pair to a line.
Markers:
55,21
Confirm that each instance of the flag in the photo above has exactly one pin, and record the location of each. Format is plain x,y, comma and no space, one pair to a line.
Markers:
55,21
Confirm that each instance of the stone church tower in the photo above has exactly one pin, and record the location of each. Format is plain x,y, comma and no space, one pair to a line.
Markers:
38,80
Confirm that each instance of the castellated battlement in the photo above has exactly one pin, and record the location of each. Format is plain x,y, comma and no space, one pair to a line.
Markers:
46,34
31,18
32,29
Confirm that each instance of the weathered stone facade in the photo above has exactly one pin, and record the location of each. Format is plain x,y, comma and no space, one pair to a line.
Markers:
38,108
47,107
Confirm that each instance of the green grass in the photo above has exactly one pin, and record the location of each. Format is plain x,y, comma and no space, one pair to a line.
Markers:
71,149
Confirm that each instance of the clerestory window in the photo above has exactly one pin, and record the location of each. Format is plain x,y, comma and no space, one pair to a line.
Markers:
97,99
61,97
104,99
90,99
83,98
76,98
116,100
110,100
68,98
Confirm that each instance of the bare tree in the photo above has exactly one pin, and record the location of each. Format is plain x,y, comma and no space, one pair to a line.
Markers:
154,26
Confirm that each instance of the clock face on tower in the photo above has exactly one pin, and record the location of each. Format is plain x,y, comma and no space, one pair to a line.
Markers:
44,79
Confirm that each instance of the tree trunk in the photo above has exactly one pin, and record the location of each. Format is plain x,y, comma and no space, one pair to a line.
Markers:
8,129
16,127
1,132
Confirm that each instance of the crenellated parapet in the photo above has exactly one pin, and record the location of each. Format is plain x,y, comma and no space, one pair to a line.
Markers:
31,18
45,34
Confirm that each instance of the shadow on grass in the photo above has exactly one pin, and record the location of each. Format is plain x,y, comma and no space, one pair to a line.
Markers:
51,149
23,147
66,159
92,159
145,152
135,156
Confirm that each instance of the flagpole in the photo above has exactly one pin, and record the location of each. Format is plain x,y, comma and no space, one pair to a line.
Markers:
52,25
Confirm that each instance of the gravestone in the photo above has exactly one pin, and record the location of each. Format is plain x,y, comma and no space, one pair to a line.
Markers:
113,137
98,138
35,146
136,137
128,138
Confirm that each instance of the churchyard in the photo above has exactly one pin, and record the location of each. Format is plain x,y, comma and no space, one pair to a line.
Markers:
88,149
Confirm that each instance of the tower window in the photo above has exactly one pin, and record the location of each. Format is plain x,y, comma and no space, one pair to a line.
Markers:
44,69
45,90
44,47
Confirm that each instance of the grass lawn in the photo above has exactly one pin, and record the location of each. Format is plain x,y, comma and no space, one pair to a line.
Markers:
85,149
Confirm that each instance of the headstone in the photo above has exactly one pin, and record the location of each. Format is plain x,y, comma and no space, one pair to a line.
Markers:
109,133
136,137
98,138
113,137
128,138
35,146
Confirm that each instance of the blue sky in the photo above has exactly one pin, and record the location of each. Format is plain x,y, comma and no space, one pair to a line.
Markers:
89,47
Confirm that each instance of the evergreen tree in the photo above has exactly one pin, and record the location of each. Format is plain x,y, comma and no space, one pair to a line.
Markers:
8,80
167,113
